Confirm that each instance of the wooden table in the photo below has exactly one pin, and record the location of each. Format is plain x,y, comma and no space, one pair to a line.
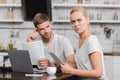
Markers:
7,74
21,76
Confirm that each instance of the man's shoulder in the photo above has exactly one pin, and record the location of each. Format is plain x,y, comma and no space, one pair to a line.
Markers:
58,36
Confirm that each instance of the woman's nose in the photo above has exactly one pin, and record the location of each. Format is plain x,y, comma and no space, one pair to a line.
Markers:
76,23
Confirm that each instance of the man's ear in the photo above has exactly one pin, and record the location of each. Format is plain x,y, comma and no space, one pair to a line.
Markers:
36,29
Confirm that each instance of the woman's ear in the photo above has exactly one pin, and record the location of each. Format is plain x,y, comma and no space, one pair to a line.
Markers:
88,19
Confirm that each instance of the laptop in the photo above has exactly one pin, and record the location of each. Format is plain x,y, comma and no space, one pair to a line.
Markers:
21,62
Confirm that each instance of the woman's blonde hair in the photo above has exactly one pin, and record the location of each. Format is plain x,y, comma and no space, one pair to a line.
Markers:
81,9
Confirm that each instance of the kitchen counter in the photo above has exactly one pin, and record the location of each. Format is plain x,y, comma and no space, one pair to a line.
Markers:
112,54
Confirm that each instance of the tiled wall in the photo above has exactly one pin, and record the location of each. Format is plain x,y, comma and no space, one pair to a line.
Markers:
64,29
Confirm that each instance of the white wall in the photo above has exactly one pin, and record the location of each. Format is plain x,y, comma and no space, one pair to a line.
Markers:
63,29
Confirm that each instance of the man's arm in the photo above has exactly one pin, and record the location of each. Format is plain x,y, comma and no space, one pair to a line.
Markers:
69,52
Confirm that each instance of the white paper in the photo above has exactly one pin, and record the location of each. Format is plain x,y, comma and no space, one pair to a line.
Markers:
35,75
36,51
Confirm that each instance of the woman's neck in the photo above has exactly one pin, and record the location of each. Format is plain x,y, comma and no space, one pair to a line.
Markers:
83,36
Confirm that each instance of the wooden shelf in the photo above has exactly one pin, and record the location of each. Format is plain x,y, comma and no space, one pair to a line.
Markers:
11,20
10,5
92,21
88,5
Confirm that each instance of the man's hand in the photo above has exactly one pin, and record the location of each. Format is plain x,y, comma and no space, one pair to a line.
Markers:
44,62
33,36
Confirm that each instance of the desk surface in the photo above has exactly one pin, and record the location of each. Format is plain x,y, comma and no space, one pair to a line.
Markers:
21,76
3,53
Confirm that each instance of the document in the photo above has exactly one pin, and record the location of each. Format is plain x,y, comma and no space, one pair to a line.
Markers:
36,50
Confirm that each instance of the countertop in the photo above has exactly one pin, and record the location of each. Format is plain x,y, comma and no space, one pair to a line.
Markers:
112,54
105,53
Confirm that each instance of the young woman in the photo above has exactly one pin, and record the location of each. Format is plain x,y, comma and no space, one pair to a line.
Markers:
89,53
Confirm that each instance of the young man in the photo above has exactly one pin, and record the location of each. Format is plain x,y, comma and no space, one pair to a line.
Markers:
55,43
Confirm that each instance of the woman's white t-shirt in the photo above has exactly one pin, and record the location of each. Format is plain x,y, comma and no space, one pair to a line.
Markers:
90,45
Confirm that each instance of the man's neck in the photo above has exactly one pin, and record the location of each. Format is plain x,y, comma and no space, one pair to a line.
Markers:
47,41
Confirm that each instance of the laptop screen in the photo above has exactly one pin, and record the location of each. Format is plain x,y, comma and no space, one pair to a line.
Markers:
20,61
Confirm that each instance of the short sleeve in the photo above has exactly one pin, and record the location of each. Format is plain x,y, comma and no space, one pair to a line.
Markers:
94,45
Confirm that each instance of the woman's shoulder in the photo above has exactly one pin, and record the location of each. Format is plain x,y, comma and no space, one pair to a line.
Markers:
92,38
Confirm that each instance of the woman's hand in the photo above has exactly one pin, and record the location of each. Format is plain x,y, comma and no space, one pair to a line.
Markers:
65,68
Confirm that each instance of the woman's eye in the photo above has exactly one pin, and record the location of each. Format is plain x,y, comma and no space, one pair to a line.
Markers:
72,22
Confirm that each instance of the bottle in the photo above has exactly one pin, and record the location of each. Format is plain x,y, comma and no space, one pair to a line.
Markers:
4,1
79,1
10,45
14,45
10,13
1,45
115,17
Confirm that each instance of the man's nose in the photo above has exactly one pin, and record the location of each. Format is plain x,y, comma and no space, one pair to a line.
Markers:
46,30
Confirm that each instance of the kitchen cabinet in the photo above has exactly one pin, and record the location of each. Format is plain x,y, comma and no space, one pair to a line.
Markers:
109,66
112,65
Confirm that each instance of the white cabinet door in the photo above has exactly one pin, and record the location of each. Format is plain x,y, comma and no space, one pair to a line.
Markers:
109,67
112,67
116,72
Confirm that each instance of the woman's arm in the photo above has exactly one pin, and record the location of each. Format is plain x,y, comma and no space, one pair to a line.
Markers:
95,72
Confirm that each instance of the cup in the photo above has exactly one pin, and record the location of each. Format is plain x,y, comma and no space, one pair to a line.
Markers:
51,70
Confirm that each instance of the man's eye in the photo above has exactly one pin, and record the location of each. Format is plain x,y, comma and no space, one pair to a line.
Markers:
48,26
40,29
79,20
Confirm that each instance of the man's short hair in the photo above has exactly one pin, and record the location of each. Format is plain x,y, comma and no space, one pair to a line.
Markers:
39,18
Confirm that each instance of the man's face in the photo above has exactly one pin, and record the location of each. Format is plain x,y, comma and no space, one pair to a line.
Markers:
44,30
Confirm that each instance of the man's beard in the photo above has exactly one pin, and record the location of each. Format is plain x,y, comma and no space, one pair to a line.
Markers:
47,38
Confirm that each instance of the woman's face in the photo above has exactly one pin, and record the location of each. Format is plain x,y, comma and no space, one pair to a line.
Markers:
79,22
